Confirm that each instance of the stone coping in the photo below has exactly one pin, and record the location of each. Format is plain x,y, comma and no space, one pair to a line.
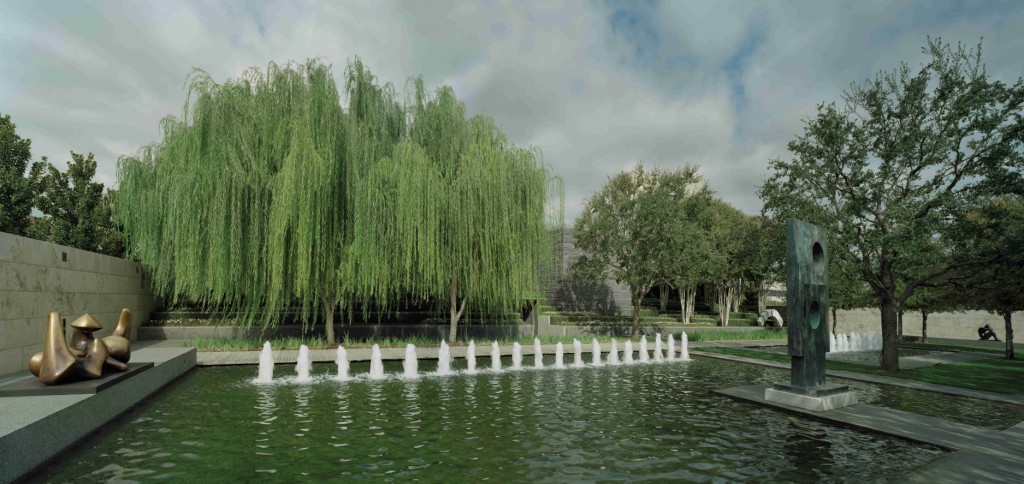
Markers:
35,429
979,454
880,380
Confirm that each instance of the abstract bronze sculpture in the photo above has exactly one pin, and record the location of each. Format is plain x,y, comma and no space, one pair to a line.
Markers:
87,355
807,307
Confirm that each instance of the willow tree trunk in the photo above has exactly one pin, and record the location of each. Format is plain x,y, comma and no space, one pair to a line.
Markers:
1007,314
924,326
890,335
455,312
329,320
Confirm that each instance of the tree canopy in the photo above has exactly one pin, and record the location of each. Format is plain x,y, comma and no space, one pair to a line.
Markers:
625,228
891,173
18,178
302,202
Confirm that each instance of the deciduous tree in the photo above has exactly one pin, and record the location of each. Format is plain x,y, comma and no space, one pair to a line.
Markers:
894,170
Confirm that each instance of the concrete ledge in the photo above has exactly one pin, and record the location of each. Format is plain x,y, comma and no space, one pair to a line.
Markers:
35,429
812,403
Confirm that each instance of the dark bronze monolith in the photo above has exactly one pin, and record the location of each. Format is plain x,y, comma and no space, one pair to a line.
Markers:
807,301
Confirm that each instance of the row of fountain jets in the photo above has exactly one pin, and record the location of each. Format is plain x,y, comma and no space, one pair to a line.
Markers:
445,359
854,342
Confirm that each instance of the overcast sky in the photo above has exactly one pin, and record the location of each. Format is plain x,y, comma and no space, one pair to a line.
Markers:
597,86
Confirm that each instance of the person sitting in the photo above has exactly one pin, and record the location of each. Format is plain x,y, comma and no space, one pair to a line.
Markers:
985,333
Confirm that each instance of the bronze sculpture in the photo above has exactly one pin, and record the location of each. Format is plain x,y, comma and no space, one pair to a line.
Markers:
87,355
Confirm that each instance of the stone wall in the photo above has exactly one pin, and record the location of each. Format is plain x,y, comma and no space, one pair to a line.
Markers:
957,325
567,293
39,277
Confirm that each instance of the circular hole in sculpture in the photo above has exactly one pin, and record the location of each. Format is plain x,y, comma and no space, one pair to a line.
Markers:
814,314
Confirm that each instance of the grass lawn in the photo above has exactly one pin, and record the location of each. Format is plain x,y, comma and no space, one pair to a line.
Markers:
996,375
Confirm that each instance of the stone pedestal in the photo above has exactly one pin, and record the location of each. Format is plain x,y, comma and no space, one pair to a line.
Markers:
828,396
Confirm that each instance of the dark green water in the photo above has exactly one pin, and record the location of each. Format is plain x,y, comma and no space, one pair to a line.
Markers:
657,421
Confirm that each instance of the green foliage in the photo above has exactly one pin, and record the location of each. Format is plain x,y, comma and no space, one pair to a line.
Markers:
76,211
625,228
891,174
720,335
18,179
301,203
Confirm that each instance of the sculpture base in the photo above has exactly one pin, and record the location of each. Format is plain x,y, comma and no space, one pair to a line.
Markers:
31,386
829,396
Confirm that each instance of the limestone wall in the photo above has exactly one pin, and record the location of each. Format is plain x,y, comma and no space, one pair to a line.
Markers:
957,325
39,277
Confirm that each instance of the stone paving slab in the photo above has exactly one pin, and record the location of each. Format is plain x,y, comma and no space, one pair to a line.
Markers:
981,454
877,379
29,385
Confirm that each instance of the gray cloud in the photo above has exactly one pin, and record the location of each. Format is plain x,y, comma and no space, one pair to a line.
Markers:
596,86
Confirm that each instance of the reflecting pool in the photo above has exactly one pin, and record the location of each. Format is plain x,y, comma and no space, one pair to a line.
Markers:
658,420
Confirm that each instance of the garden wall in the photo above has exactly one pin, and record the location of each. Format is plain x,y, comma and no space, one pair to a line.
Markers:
568,294
38,277
957,325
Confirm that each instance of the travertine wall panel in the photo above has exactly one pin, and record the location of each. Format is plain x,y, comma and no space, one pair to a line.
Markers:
38,277
956,325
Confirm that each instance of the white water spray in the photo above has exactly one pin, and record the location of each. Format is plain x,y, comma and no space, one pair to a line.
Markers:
559,355
411,362
302,366
577,350
595,349
517,356
657,348
684,344
613,353
538,354
495,357
644,357
627,353
671,355
471,358
444,360
342,361
376,365
266,373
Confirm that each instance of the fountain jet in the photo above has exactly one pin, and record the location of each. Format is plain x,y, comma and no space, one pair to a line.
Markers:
302,366
342,361
684,350
471,358
671,355
496,357
613,353
444,360
559,355
411,362
266,374
538,354
376,365
644,357
627,353
577,350
596,352
657,348
517,356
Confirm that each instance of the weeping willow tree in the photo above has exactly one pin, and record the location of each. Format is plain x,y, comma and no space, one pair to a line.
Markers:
241,205
456,214
266,194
